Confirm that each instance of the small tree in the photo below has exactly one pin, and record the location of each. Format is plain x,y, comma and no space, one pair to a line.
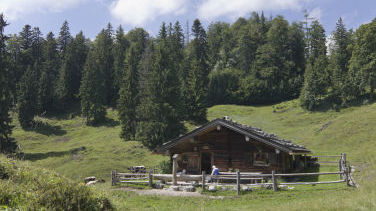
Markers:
92,90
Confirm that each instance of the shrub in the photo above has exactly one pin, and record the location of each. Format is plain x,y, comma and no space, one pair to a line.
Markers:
23,186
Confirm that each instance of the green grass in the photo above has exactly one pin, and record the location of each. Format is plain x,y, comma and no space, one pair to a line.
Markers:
76,151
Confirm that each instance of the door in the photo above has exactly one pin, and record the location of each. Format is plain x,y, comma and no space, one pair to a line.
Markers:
206,162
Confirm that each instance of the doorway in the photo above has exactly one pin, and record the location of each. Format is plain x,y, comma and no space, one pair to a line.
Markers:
206,162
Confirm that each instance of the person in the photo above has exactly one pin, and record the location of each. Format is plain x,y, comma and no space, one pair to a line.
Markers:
214,174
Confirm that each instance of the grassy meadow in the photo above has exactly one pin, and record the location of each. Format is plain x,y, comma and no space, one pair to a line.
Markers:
65,144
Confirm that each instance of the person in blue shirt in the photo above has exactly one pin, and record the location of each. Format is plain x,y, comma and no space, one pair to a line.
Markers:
214,174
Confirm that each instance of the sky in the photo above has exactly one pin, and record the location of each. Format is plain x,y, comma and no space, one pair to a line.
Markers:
91,16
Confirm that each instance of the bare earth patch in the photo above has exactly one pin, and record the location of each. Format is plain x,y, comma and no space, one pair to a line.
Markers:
160,192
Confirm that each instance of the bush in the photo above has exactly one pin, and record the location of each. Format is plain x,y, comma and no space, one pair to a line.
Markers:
165,167
23,186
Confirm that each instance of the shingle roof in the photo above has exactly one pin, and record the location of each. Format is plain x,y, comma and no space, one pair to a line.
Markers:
253,132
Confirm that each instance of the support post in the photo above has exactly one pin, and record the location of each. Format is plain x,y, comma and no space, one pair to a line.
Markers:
238,182
203,180
344,160
112,178
150,179
174,169
274,180
340,166
346,174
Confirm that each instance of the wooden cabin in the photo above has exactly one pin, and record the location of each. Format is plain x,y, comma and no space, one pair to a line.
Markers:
231,146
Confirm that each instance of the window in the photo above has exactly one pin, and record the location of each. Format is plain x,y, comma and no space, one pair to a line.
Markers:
260,159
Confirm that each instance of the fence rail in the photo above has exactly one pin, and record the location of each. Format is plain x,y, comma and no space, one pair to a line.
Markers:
344,172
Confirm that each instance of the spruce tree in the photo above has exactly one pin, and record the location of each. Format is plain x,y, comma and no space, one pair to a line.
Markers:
104,46
339,60
92,90
64,38
71,71
129,95
120,47
7,144
159,120
49,72
27,103
316,77
196,98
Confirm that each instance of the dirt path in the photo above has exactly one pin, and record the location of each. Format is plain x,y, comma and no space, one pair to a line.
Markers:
160,192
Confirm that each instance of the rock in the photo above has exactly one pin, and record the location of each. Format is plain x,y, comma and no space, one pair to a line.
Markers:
211,188
267,186
245,188
175,188
290,188
190,189
159,186
88,179
91,183
101,181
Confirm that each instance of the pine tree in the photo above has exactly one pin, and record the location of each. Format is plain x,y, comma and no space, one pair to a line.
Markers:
316,77
129,95
7,144
196,99
48,76
104,46
28,97
92,90
120,47
64,38
362,72
71,71
159,119
339,60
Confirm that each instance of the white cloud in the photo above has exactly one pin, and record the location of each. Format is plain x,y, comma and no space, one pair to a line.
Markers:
211,9
137,12
315,13
15,9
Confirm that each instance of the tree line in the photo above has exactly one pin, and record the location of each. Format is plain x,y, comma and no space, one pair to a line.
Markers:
157,83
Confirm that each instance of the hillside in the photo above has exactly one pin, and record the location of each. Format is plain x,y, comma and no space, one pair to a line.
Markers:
75,150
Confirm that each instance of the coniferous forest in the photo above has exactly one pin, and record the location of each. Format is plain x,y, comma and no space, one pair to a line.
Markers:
158,83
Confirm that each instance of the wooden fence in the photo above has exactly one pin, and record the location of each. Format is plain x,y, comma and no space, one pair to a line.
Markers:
245,178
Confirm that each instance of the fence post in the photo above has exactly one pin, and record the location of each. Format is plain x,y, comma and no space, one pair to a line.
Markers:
238,182
340,166
275,187
112,177
150,179
344,160
203,180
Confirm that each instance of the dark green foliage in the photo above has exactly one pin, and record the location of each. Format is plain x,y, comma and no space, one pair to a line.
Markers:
93,89
129,95
316,76
197,77
71,71
362,74
48,75
7,144
315,83
340,54
224,86
119,51
28,97
158,112
64,38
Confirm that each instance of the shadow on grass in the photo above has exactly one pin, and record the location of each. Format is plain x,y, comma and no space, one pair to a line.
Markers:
46,129
40,156
107,122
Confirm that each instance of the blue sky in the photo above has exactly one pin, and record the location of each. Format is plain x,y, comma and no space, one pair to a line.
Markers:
91,16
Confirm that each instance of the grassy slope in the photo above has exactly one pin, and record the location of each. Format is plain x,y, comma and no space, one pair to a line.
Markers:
351,130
